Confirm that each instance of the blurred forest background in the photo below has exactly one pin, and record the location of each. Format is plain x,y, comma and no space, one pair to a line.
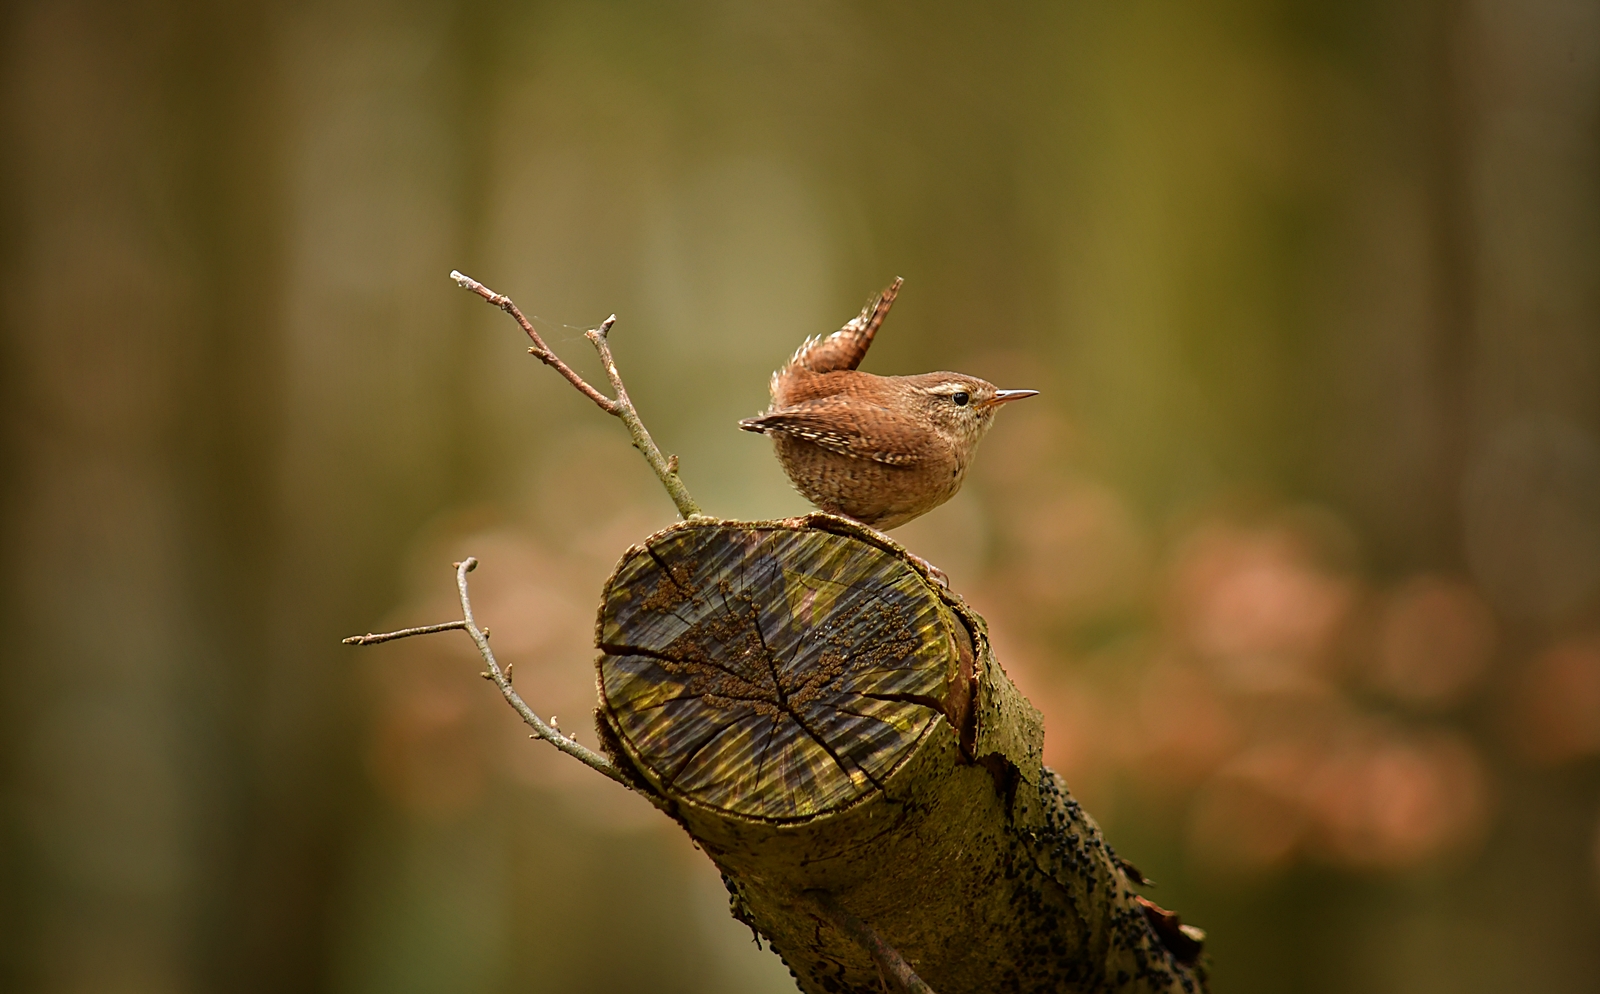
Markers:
1299,552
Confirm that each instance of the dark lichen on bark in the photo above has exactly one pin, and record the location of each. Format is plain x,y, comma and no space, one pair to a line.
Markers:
820,716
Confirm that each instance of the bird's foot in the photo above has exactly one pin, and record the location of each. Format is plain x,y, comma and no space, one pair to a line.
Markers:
933,571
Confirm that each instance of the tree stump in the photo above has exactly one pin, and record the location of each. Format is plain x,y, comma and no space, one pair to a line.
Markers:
827,723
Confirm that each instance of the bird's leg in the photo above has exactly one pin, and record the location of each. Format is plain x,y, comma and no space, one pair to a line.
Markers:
933,571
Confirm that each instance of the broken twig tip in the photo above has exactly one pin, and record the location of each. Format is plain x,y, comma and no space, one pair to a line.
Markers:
471,563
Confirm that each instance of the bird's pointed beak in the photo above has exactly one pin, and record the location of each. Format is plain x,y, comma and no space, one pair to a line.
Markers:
1007,396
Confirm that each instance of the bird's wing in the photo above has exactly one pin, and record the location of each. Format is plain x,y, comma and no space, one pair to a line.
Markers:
845,426
845,348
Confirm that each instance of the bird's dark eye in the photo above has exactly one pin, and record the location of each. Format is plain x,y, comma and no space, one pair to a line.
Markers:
960,397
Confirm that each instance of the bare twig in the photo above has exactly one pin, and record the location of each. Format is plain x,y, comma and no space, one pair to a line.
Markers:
894,973
502,678
371,639
666,469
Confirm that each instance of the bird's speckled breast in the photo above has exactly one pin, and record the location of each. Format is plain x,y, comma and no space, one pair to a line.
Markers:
871,492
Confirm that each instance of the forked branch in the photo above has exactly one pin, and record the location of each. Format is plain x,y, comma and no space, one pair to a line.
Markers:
665,467
501,678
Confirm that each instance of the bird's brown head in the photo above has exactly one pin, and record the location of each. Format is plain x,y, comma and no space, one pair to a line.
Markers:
959,407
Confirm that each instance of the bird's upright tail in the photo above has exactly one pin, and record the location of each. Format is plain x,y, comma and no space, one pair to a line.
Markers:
845,348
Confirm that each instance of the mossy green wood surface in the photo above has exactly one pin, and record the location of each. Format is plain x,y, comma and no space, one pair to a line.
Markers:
818,715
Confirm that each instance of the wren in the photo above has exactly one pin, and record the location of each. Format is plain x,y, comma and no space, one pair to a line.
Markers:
879,449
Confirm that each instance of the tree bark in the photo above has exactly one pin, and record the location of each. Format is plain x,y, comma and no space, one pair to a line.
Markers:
833,730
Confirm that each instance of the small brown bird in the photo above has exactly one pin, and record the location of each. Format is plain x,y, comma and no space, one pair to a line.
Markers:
879,449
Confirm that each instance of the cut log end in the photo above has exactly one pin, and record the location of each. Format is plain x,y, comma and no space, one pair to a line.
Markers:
774,671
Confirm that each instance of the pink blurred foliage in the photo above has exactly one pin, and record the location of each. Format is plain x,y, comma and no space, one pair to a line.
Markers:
1435,639
1554,709
1281,706
1360,792
1254,606
437,738
423,753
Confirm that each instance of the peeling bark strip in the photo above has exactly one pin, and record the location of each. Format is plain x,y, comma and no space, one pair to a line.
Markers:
819,716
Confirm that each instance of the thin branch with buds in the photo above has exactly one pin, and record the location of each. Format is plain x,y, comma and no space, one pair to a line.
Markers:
501,678
666,468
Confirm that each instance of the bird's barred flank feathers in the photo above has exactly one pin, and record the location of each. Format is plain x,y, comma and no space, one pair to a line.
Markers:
844,443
